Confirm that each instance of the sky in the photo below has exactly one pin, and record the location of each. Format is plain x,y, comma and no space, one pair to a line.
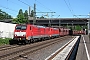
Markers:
62,8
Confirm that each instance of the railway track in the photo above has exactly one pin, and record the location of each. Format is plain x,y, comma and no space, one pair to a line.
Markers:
6,47
16,53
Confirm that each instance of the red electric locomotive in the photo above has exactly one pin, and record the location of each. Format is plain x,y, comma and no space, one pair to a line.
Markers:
26,33
55,32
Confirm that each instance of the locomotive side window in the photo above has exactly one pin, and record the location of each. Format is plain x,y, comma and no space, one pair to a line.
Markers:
30,28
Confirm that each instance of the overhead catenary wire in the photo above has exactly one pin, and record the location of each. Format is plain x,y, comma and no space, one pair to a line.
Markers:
14,3
47,8
9,9
44,5
71,11
24,3
70,6
27,4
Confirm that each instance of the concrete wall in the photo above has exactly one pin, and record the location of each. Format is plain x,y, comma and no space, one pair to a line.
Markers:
6,30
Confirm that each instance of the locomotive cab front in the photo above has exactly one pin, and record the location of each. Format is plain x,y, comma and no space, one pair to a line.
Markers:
20,32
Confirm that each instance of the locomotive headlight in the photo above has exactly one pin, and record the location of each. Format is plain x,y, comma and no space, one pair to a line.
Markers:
24,35
15,34
27,38
50,35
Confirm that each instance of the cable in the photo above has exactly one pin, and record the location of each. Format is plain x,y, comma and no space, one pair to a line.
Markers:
46,7
7,3
31,6
8,8
70,9
70,6
26,4
15,3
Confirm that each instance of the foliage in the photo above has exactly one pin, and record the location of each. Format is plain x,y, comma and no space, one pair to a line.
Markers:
78,27
26,14
4,41
21,17
41,17
4,15
86,27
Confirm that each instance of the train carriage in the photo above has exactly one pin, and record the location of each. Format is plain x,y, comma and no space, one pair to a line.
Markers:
64,31
61,31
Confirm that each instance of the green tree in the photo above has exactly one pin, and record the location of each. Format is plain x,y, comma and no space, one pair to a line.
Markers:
20,14
26,14
21,17
1,15
4,15
15,20
41,17
0,12
78,27
9,17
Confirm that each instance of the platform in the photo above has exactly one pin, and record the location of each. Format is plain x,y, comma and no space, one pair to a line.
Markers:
83,52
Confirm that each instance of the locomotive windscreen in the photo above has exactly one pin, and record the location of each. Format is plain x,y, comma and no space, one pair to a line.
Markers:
21,27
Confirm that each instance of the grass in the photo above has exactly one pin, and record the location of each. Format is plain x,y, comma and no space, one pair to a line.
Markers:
4,41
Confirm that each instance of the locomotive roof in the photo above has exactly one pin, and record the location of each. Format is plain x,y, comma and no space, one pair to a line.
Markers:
41,26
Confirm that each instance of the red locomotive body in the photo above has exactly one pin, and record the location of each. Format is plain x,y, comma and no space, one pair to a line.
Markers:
31,33
55,32
27,33
20,32
61,31
64,31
